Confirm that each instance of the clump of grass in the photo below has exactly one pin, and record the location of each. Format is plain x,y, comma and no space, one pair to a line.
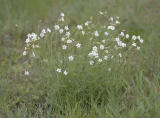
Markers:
80,67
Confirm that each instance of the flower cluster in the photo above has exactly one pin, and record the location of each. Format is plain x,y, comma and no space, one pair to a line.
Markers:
101,43
31,44
60,71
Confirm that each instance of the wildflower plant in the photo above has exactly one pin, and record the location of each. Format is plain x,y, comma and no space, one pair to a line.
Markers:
78,48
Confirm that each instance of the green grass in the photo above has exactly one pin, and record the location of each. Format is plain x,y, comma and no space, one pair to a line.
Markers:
125,92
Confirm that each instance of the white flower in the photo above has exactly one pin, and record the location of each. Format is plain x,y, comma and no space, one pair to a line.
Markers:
120,55
62,39
26,73
79,27
134,44
94,53
138,48
78,45
29,35
34,36
94,48
64,47
27,40
24,53
117,22
59,70
134,37
101,47
111,27
86,23
43,31
122,34
100,12
56,27
105,57
71,58
48,30
99,60
68,34
141,40
127,36
65,72
117,39
106,33
103,41
96,33
123,45
66,28
41,35
120,43
69,41
83,32
61,31
91,62
138,37
62,14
